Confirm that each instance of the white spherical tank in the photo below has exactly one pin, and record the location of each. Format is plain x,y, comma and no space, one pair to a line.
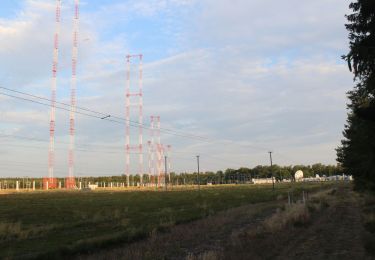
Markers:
298,176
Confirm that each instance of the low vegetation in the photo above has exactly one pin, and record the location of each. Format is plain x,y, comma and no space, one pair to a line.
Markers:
368,219
71,222
293,231
295,214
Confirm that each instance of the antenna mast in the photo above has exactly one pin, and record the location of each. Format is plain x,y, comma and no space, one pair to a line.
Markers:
51,150
139,104
70,182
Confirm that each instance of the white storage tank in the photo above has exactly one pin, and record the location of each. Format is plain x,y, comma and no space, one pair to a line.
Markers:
298,176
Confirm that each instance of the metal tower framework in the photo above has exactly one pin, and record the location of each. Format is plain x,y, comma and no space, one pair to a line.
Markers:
150,163
158,151
50,181
70,181
139,97
160,164
155,151
168,153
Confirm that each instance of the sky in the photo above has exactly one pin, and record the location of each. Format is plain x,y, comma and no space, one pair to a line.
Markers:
249,76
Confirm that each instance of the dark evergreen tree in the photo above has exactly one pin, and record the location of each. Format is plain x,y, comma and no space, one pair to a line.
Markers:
357,151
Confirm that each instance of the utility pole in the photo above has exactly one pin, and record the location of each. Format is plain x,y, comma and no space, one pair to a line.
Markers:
199,182
165,172
273,182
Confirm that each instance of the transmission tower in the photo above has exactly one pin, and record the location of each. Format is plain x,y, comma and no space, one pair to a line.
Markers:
70,181
158,150
168,153
150,163
155,151
138,95
50,181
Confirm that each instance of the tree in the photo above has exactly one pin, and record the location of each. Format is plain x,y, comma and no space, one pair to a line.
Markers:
357,151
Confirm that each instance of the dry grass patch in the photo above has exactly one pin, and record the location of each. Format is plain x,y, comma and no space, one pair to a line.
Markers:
15,230
295,214
368,220
209,255
292,215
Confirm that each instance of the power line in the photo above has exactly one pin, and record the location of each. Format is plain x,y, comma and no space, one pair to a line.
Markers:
88,150
215,158
114,119
79,150
59,142
99,115
120,120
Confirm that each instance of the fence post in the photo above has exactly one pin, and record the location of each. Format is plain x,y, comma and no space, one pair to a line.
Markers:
303,197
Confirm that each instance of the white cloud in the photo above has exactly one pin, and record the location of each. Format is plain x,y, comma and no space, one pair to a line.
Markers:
252,76
268,27
34,117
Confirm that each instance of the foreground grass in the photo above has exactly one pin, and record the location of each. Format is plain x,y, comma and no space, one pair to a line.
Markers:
368,219
56,224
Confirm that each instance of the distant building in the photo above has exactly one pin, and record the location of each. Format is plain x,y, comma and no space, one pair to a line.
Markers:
262,180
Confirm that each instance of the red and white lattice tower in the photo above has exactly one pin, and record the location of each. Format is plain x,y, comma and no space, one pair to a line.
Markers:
155,145
159,150
51,181
70,181
150,163
160,164
138,95
168,153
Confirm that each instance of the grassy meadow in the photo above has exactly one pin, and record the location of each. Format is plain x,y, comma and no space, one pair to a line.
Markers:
59,223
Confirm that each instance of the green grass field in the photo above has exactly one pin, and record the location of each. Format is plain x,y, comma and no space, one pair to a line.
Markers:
56,223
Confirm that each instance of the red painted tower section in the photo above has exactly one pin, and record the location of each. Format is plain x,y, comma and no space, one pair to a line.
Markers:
131,84
70,180
168,153
51,150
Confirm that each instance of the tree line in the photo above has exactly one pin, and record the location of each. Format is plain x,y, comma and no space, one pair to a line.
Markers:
240,175
228,176
244,174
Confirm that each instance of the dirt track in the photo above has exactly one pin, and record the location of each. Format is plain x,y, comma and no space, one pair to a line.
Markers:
332,233
194,238
336,233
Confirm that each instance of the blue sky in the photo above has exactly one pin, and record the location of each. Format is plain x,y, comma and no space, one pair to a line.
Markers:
250,75
10,8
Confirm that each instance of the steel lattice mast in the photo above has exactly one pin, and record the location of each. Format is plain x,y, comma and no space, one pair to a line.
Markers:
150,162
139,104
169,147
51,150
155,156
158,147
70,181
